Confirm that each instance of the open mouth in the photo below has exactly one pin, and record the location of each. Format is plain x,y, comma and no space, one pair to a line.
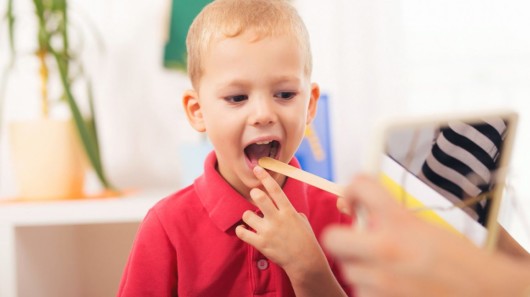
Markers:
259,150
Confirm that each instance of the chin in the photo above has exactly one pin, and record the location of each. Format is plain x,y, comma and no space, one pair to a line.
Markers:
251,181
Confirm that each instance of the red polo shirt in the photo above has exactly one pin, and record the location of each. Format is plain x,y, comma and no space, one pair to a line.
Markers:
186,245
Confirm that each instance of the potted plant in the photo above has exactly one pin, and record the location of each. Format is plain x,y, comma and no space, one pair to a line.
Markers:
31,141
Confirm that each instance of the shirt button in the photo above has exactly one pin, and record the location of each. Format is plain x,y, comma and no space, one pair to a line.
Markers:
263,264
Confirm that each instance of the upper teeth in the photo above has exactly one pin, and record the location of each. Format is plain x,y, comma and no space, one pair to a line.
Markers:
263,142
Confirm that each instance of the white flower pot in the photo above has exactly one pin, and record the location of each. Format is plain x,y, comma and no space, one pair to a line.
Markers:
47,158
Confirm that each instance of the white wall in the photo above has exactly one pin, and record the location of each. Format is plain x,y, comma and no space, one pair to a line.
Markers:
420,57
473,55
137,100
374,58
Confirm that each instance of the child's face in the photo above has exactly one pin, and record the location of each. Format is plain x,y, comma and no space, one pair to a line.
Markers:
254,99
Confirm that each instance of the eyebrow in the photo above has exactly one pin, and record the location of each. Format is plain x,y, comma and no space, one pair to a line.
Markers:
287,78
274,80
238,83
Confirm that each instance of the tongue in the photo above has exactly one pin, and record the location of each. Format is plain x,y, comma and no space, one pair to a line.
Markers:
256,151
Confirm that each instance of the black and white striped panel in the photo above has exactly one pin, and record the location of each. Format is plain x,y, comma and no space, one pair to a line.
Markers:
463,161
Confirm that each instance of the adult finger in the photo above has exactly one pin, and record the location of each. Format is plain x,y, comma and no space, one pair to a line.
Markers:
371,194
347,243
344,206
361,276
273,188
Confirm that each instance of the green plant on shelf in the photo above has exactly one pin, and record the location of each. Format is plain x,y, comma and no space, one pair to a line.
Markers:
54,50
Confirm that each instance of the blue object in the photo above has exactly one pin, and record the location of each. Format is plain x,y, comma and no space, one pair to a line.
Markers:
192,159
314,154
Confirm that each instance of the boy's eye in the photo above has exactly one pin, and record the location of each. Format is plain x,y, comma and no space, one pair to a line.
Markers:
236,98
285,95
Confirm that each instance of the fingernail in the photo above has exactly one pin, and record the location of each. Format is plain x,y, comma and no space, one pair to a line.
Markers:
253,192
258,170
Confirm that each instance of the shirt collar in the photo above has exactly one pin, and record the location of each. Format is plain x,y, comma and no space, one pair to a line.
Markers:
225,205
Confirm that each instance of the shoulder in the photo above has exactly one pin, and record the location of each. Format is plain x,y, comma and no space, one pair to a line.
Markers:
174,199
177,204
175,214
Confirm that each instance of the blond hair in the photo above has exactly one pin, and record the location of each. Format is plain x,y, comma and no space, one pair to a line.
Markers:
231,18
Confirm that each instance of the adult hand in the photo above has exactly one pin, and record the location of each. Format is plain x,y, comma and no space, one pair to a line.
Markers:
398,254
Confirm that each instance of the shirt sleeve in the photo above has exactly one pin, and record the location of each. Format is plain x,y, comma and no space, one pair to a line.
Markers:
151,269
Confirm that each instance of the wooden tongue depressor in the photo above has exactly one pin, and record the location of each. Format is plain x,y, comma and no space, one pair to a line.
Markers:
303,176
314,180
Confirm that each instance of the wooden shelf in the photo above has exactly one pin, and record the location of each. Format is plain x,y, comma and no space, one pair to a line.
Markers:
70,247
129,208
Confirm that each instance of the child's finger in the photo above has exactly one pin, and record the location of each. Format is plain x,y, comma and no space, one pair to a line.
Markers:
263,202
246,235
273,189
251,219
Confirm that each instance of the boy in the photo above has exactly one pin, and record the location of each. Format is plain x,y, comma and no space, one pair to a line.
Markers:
234,232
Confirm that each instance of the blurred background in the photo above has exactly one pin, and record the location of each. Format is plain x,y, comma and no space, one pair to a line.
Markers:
373,59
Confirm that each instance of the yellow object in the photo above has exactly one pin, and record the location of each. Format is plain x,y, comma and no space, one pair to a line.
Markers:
412,202
47,159
314,143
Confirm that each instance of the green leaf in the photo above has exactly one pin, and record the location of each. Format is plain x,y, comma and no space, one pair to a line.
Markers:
11,27
92,120
58,5
12,55
87,138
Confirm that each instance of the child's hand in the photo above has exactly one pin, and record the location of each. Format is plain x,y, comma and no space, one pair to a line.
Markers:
283,235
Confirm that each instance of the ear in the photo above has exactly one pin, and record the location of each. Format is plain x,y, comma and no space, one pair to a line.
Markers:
192,106
313,102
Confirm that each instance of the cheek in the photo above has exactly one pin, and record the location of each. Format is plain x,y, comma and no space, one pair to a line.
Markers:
296,125
221,129
295,131
215,118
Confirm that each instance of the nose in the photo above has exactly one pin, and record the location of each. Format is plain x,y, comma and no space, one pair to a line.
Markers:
262,112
